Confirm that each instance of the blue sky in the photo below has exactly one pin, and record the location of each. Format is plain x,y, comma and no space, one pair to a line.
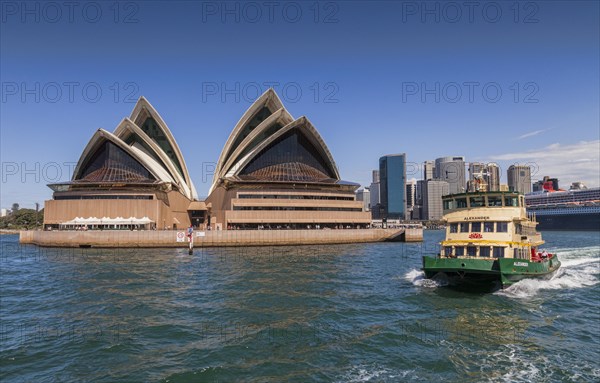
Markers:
373,77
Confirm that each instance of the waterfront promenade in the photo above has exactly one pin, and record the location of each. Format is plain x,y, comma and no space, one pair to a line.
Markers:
149,238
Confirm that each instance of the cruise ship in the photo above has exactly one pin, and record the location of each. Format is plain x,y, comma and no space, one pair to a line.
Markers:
575,209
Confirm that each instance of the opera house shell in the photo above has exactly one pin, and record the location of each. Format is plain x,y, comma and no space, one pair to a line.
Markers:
274,172
136,172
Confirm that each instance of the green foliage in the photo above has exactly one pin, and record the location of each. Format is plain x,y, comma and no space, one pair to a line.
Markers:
22,219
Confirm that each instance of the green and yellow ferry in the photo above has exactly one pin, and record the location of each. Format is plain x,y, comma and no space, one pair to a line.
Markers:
490,241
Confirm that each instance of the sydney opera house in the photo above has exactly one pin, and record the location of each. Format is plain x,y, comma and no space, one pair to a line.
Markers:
274,172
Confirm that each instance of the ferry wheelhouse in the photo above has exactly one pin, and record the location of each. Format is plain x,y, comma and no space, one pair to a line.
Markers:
489,239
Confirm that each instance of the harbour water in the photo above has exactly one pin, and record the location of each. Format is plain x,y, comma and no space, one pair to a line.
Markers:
337,313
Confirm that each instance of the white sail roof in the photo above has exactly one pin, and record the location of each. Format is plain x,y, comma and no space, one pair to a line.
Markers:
262,126
262,108
143,150
101,137
135,137
148,120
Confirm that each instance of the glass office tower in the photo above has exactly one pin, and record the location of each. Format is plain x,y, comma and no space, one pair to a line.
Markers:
392,178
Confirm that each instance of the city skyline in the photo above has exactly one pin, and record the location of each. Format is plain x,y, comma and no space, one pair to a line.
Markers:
370,94
422,198
492,175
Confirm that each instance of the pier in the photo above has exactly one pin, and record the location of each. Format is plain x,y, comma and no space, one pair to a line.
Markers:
216,238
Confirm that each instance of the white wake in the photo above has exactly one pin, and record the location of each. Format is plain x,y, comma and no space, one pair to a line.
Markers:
417,278
579,268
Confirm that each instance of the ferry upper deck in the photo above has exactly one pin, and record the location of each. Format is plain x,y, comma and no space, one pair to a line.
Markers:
499,199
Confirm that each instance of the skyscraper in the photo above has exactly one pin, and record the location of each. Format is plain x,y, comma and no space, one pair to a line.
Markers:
432,199
375,176
493,177
392,193
428,170
411,198
476,169
364,195
419,198
452,170
519,178
484,177
411,193
477,175
420,189
374,195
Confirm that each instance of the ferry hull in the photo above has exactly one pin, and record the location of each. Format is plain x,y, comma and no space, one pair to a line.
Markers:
490,272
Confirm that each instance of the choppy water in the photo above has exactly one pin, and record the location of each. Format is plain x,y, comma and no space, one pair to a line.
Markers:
351,313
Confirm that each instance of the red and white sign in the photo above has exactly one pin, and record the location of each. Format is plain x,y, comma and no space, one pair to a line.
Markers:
475,236
181,236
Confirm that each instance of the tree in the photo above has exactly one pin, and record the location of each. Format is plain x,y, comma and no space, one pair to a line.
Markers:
15,207
22,219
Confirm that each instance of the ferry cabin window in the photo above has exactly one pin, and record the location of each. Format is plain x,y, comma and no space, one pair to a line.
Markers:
476,227
459,251
521,253
488,227
484,251
477,201
511,201
454,227
471,251
498,252
494,201
502,227
461,203
464,227
447,251
449,204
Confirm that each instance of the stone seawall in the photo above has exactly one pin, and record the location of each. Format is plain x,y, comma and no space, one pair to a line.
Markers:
215,238
413,235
